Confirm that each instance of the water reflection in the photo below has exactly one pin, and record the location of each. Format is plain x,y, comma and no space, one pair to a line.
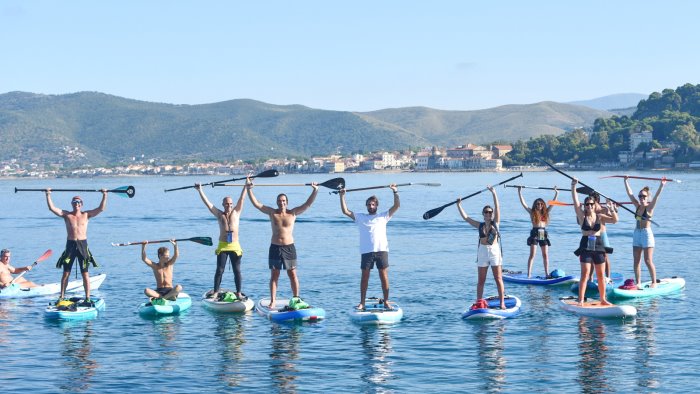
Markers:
166,330
593,354
646,347
376,343
78,363
284,356
230,330
491,363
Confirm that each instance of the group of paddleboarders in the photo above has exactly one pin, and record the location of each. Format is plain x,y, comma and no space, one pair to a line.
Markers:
282,254
594,246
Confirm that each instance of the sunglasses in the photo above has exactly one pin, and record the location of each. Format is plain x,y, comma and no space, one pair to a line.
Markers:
76,202
589,204
642,196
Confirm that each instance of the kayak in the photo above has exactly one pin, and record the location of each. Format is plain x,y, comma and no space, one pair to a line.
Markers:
281,311
78,310
521,278
595,309
374,313
181,304
663,286
616,279
17,291
494,310
238,306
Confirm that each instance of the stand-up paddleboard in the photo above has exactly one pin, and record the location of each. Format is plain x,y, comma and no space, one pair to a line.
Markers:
181,304
74,308
494,310
521,278
616,279
16,290
663,286
595,309
281,311
375,313
222,306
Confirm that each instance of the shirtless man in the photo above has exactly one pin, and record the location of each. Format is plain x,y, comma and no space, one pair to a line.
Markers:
228,247
282,254
76,243
163,272
6,271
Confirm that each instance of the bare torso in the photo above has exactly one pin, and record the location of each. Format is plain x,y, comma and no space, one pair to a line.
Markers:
5,275
163,274
228,223
76,225
282,227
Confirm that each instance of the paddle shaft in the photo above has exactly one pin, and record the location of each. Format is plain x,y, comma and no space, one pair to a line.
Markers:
642,177
43,257
335,183
385,186
435,211
538,187
194,239
125,190
583,184
561,203
264,174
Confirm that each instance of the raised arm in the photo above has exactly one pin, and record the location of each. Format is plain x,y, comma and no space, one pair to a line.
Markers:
574,198
241,199
397,202
176,253
628,189
556,194
306,205
257,204
611,214
143,255
344,206
52,208
214,210
496,207
522,200
103,204
464,215
656,196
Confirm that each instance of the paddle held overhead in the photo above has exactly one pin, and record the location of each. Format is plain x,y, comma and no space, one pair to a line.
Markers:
383,186
200,240
436,211
335,184
642,177
264,174
124,191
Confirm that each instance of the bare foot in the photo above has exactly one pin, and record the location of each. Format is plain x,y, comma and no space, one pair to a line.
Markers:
503,306
272,305
387,306
360,307
579,302
605,302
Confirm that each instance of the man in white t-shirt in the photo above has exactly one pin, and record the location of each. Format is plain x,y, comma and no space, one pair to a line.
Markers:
374,246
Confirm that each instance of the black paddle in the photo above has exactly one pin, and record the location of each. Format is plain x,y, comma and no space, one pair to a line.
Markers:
435,211
43,257
335,183
200,240
593,190
124,191
264,174
383,186
583,189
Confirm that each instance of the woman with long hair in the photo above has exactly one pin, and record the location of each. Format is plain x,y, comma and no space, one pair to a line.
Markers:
539,215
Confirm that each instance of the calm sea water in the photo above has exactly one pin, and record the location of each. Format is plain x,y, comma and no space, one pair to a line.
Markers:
433,276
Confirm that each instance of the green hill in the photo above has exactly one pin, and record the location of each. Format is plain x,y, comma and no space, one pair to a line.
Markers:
96,128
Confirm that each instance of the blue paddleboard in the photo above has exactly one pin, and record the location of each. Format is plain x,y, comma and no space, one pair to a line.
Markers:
494,310
521,278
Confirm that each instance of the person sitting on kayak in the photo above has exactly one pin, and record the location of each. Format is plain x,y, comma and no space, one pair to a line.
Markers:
643,237
489,250
282,253
163,272
6,271
591,249
539,215
229,248
76,222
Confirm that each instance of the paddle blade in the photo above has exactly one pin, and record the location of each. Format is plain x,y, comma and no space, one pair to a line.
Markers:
125,191
202,240
45,256
585,190
558,203
266,174
432,213
335,183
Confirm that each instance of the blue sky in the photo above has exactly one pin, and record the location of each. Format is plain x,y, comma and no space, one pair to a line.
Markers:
357,56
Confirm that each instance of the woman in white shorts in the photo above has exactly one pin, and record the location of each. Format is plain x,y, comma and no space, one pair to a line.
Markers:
489,253
643,237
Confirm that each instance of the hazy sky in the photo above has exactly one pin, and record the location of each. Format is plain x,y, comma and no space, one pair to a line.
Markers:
354,55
